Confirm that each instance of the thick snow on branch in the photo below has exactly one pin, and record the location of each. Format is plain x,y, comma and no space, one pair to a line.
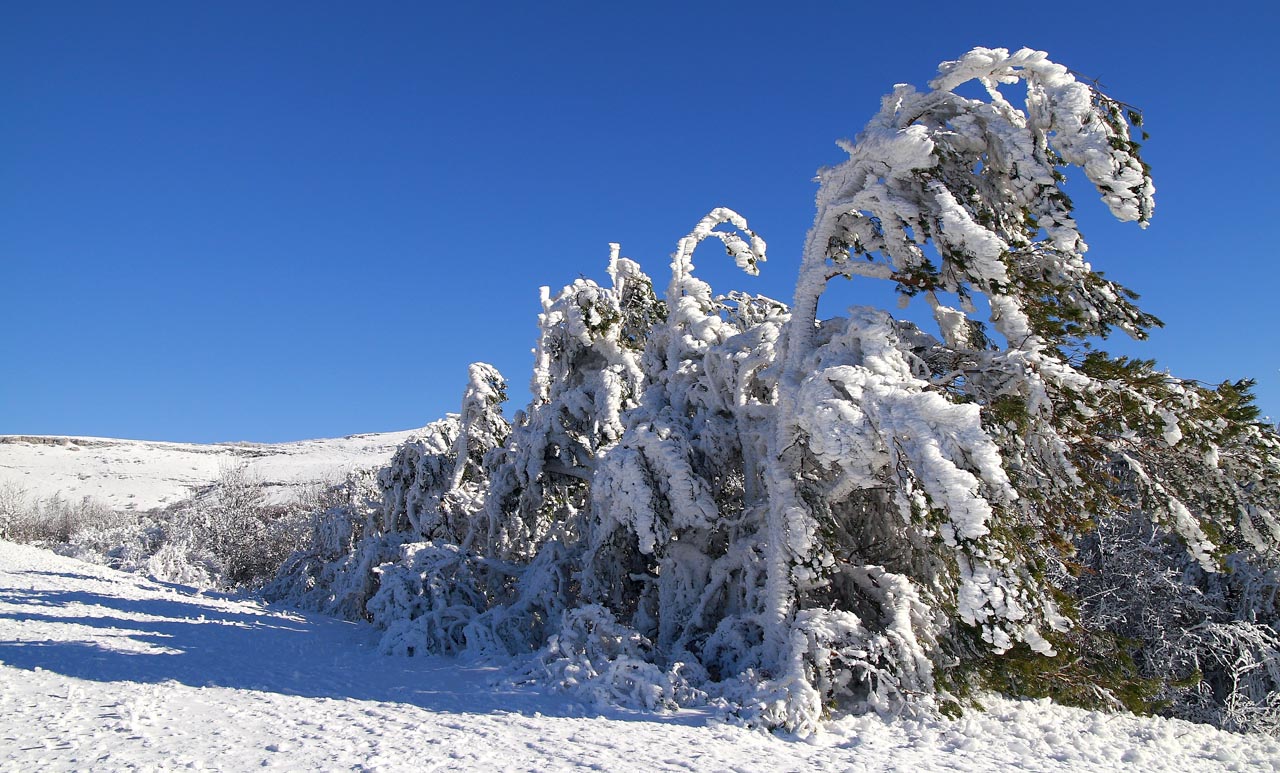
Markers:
725,501
979,181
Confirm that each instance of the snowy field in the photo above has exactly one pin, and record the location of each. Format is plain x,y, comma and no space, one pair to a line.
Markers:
109,671
141,475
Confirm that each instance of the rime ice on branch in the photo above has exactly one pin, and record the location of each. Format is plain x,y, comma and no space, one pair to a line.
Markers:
717,498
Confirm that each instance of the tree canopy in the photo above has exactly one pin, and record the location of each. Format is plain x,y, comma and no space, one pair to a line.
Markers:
724,499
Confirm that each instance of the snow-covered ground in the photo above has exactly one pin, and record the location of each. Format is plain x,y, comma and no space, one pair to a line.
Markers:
141,475
109,671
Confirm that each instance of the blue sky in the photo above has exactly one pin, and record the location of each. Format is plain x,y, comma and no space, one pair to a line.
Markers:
274,221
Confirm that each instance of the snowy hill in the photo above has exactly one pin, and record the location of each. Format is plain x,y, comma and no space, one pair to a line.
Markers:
110,671
141,475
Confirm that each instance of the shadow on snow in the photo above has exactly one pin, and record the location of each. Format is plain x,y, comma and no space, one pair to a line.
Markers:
187,639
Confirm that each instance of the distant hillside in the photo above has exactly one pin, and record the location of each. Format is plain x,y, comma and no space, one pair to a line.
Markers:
141,475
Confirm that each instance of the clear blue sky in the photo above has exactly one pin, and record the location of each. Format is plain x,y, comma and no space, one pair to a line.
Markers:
274,221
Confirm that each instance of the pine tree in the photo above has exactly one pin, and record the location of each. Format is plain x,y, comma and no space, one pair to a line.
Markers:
720,497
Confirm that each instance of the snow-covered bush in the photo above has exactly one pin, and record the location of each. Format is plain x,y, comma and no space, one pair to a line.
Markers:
426,599
230,533
606,663
361,525
123,540
727,499
88,530
88,527
331,570
224,535
13,510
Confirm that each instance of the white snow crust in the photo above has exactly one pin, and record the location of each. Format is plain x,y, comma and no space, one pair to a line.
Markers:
143,475
109,671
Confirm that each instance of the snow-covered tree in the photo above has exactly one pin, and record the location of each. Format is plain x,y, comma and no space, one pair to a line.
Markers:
333,571
417,479
726,498
587,374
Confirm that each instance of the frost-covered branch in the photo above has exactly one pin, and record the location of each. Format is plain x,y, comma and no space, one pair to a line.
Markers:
718,499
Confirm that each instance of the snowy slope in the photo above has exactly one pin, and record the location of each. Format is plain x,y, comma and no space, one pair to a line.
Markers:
140,475
109,671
